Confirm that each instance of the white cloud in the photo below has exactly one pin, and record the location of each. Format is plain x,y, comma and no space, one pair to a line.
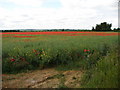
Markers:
74,14
86,3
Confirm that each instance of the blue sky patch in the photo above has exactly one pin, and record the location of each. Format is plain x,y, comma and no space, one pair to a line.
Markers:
8,5
52,4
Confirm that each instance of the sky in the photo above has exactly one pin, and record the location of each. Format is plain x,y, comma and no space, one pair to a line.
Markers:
57,14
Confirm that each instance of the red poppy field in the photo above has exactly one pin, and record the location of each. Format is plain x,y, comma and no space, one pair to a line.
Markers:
23,51
64,33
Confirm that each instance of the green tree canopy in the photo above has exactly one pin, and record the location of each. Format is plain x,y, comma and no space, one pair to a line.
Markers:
103,27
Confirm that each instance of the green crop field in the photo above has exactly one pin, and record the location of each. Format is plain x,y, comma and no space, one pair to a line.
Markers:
96,54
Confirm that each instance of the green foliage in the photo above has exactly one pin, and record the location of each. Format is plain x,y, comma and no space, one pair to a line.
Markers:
105,73
10,30
97,55
102,27
52,51
93,29
116,29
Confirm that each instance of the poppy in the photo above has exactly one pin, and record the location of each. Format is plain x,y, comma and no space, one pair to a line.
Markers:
34,50
12,60
85,50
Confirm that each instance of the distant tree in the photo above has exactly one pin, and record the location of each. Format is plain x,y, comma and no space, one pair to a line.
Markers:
116,29
93,29
10,30
103,27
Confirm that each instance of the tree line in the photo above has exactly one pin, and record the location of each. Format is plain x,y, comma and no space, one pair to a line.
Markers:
9,30
99,27
104,27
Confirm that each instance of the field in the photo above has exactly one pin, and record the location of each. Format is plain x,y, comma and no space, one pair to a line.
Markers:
92,52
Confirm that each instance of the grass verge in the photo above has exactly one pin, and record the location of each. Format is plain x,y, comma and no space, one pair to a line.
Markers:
104,74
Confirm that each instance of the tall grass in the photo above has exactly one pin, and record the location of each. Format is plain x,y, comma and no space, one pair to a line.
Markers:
105,73
53,50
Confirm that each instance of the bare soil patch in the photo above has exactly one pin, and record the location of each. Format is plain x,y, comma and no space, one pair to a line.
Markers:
47,78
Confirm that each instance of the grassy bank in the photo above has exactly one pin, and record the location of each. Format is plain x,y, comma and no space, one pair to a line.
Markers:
96,55
21,54
105,73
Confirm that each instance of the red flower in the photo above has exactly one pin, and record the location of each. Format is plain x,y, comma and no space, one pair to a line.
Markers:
85,50
12,60
34,50
36,53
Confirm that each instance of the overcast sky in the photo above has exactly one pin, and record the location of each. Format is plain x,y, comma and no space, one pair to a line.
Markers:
57,14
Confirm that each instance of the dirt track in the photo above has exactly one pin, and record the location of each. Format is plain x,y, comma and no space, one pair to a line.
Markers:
47,78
